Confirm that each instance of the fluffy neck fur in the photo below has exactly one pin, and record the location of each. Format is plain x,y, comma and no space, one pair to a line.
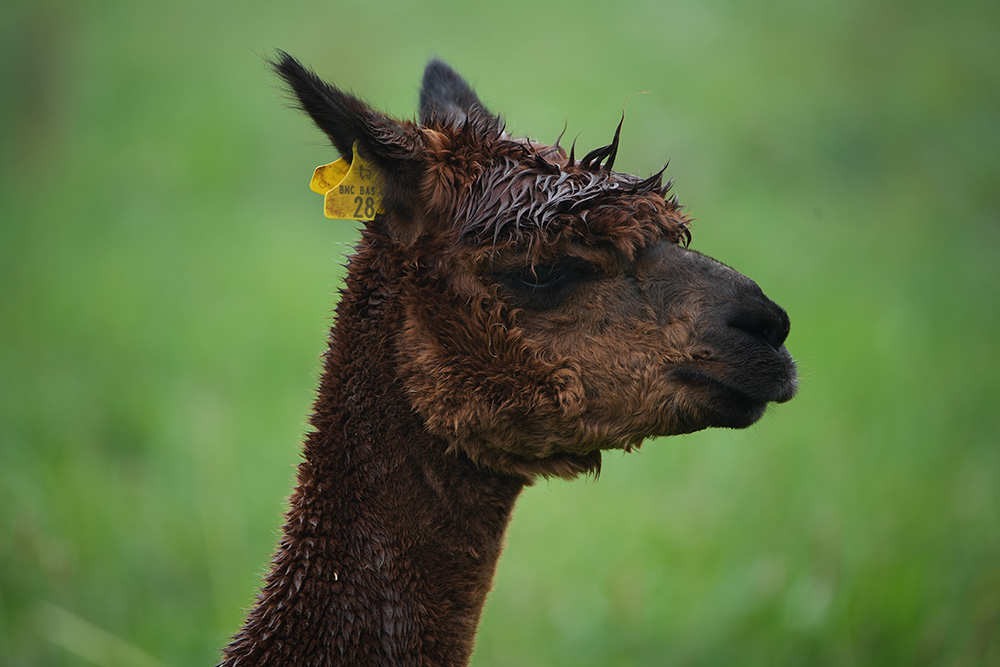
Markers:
391,541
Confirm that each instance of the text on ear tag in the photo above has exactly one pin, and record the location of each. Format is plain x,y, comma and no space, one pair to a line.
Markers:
352,191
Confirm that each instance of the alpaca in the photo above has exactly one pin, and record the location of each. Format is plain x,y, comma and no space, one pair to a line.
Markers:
511,311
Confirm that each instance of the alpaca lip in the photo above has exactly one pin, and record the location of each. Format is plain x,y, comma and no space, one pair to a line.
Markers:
729,404
756,391
750,391
755,369
776,379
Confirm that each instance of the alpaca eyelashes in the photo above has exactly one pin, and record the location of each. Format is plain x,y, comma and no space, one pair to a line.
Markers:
541,277
544,287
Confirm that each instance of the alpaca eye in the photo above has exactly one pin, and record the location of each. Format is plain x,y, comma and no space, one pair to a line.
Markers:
540,277
543,287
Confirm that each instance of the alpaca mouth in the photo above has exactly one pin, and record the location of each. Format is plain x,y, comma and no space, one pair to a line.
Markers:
737,400
773,380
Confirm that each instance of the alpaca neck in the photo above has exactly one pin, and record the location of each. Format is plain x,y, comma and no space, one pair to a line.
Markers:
391,541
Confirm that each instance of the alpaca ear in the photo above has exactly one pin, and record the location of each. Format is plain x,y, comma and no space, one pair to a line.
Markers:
446,99
394,149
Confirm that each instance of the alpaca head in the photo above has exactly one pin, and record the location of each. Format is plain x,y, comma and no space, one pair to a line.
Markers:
550,305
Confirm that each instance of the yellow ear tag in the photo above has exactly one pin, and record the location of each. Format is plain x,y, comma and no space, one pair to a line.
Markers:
352,191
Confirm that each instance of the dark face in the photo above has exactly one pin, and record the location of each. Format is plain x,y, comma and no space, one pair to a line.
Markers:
591,337
667,342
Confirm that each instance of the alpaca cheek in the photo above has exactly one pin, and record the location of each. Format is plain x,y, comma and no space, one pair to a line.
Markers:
491,394
629,384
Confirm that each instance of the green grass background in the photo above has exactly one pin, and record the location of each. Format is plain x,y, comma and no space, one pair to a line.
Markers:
166,280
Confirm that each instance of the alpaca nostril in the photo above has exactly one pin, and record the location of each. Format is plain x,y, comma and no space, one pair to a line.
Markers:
770,326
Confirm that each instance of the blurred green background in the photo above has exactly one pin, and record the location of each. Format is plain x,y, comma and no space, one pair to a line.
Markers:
168,278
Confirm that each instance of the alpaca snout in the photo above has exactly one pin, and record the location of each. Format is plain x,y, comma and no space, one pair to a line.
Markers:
748,331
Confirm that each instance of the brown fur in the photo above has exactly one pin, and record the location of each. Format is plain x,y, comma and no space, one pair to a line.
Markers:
514,312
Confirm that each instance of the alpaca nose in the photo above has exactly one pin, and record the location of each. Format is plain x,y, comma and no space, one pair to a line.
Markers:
765,321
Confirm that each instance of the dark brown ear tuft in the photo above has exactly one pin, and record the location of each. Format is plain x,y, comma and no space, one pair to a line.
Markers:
446,99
